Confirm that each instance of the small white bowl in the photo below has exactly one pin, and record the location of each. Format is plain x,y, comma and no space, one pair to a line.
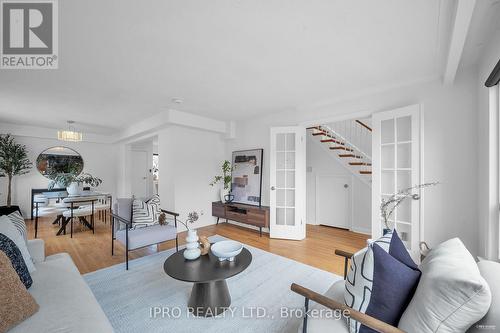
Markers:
226,250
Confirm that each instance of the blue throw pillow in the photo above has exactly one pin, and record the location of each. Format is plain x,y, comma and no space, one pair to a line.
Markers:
16,258
394,284
398,250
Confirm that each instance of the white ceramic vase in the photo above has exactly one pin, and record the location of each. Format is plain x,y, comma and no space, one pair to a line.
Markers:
73,189
223,193
192,251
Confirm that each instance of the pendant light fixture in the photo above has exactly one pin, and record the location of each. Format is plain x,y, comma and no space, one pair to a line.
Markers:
70,134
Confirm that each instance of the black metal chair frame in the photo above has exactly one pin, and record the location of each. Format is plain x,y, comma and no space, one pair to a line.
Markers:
128,225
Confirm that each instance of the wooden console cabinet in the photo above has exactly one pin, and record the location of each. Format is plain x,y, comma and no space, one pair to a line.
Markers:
248,214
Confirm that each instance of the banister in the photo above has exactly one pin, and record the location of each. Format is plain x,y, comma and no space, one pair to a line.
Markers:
364,125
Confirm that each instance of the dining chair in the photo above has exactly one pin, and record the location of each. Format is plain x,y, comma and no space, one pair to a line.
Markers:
79,207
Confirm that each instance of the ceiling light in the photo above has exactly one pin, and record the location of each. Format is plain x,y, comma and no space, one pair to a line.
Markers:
177,100
70,134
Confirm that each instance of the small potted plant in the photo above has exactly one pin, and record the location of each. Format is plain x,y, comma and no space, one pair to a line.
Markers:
72,182
226,178
13,161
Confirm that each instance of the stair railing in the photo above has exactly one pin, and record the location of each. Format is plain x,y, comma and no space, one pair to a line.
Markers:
348,142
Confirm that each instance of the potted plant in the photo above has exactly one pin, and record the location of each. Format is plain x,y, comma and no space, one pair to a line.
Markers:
226,178
13,161
72,182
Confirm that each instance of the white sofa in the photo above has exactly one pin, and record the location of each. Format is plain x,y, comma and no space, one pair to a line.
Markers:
66,302
474,284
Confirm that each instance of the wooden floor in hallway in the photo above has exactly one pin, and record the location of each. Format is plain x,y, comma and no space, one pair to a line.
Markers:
91,252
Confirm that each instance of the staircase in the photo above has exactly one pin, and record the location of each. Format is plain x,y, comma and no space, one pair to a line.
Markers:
350,143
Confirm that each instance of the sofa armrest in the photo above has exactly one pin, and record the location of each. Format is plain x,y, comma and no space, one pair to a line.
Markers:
364,319
347,256
36,248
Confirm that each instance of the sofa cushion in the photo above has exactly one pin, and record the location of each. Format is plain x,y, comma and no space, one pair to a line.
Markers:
321,324
18,221
16,303
66,302
490,271
394,284
141,237
359,281
12,252
451,295
146,213
9,229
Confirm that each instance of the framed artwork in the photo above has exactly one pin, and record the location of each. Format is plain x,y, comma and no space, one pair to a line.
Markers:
246,184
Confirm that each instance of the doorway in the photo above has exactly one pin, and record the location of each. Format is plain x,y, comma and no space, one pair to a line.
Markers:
139,173
333,201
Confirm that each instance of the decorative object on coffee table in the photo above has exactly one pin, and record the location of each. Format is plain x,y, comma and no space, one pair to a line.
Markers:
204,245
226,250
226,178
210,295
192,251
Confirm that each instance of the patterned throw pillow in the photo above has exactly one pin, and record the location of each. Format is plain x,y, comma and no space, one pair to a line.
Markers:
360,278
10,249
18,221
146,213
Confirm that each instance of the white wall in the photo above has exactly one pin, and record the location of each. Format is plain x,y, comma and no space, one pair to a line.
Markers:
450,147
487,176
188,160
321,162
99,160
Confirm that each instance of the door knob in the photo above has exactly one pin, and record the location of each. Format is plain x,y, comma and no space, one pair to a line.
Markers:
273,188
346,186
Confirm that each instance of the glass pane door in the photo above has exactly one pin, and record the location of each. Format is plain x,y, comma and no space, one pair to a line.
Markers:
396,167
287,152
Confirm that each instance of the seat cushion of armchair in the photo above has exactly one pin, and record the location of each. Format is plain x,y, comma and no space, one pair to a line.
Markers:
141,237
320,325
66,302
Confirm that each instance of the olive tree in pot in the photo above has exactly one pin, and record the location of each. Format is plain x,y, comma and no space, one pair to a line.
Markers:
13,161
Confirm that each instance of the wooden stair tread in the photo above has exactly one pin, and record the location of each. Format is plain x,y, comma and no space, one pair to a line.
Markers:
341,147
365,172
319,133
360,163
350,155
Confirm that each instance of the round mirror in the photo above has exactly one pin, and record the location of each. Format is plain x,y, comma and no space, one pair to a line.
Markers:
58,160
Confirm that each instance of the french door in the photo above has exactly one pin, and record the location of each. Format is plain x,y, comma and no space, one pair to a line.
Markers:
396,166
288,183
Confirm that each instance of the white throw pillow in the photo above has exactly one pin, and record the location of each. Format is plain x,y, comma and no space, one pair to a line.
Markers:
18,221
359,280
146,213
451,295
9,229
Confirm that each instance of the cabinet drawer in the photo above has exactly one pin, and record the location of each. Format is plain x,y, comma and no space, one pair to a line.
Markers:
218,210
236,216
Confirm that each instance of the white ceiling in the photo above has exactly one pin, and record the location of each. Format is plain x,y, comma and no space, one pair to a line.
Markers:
123,60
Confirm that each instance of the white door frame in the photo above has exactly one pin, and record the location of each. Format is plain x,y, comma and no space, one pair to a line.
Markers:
349,207
298,230
417,151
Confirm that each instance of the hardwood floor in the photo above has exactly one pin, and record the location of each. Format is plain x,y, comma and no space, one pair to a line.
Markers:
91,252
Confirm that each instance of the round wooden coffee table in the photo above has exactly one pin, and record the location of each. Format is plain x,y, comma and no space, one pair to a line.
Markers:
210,295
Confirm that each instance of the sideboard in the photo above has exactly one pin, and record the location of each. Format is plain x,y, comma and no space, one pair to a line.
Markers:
257,216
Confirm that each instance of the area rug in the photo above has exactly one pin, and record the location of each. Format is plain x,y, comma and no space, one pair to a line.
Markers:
261,297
